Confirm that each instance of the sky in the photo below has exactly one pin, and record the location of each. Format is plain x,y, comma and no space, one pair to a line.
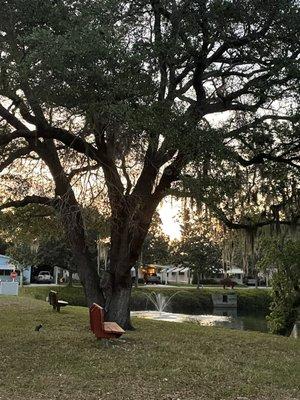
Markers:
169,213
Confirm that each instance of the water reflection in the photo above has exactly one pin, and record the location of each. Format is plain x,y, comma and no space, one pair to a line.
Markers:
228,318
226,312
172,317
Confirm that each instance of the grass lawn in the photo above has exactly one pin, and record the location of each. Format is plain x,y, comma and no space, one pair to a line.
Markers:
159,360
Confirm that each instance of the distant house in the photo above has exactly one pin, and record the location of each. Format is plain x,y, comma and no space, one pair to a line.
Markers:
29,274
177,275
236,274
6,268
169,274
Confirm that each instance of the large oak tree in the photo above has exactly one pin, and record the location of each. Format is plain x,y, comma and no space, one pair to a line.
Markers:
132,88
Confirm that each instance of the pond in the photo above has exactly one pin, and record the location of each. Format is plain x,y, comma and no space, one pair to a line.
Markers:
244,321
228,318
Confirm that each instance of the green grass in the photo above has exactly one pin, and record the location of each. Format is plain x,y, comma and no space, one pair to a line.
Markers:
74,295
159,360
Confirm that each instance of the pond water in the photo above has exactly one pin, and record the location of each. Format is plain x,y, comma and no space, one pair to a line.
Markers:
228,318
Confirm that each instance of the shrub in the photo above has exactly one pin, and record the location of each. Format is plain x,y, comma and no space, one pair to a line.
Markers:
188,301
193,301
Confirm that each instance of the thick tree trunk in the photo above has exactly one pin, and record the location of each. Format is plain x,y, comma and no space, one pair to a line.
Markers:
87,272
198,280
70,214
118,308
117,285
128,232
70,283
256,278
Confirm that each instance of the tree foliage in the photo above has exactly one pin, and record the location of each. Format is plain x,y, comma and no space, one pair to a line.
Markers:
198,248
283,256
200,255
156,247
33,235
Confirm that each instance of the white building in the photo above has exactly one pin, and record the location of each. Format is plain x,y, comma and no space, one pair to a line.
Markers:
7,267
236,275
176,275
168,274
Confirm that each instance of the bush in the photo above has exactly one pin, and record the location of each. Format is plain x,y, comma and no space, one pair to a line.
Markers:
139,301
208,282
182,301
254,299
193,301
283,253
283,307
188,301
281,320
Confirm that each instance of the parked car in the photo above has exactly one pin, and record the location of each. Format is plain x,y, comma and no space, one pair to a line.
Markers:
44,277
251,281
153,279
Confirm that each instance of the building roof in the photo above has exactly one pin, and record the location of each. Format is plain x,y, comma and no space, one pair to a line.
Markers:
234,271
176,269
185,269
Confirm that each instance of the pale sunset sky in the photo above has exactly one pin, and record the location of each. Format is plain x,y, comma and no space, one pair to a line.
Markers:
169,213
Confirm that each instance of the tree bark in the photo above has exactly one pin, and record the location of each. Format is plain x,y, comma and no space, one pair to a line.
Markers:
117,284
118,302
70,283
198,280
71,217
130,225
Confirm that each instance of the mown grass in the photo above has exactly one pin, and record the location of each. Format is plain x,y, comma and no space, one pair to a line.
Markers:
74,295
187,300
159,360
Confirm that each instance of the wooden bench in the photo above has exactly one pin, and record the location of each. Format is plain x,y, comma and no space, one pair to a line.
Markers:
54,302
101,329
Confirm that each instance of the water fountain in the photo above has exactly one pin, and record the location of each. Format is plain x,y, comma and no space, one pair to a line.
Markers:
296,330
161,303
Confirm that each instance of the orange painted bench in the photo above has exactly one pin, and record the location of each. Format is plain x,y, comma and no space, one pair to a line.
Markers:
101,329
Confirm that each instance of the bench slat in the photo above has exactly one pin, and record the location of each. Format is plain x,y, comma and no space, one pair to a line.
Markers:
113,327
